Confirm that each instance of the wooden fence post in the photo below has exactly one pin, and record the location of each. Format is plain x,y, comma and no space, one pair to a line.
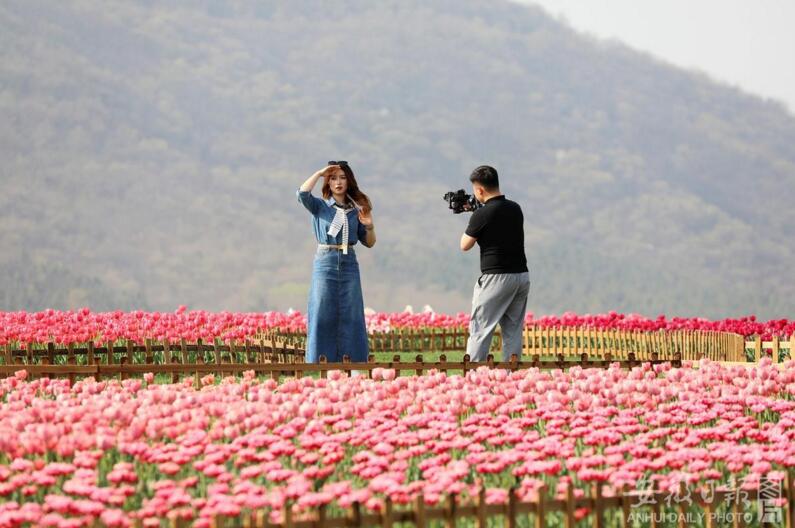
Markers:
449,512
481,513
598,507
51,352
322,361
387,513
298,372
775,354
247,353
512,520
631,360
395,364
419,511
683,492
111,358
356,514
217,356
709,521
200,359
541,508
346,361
232,352
792,349
741,346
168,356
656,514
183,349
288,514
149,357
625,504
569,522
370,359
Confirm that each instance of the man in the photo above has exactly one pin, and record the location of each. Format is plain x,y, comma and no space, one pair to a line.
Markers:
500,295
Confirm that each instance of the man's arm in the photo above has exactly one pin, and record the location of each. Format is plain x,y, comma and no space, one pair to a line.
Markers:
467,242
472,232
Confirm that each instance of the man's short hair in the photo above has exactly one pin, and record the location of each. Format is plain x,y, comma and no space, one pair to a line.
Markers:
485,176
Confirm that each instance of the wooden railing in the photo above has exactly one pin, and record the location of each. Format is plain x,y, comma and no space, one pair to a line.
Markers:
569,341
296,369
779,348
277,355
130,358
689,345
400,340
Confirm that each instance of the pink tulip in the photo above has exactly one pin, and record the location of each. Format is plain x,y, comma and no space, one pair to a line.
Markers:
430,434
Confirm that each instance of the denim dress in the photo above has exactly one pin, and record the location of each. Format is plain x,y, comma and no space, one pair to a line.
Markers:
335,317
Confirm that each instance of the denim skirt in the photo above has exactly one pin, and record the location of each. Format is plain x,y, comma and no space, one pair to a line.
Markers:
335,318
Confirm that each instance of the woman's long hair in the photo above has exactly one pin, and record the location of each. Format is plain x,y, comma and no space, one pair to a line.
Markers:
353,189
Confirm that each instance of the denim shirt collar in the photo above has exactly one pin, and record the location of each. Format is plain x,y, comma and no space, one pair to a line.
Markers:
330,202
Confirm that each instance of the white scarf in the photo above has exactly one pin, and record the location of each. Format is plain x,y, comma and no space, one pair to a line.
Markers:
340,221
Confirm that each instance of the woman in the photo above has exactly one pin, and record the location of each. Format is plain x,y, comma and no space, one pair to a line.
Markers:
335,319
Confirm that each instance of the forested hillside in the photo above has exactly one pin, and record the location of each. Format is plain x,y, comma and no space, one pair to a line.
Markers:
151,152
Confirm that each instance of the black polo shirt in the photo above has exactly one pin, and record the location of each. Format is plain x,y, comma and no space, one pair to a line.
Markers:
499,228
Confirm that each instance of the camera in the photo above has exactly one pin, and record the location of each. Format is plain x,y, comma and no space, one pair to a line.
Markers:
459,201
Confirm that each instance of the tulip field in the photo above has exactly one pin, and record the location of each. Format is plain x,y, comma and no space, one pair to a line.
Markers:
83,325
138,453
707,444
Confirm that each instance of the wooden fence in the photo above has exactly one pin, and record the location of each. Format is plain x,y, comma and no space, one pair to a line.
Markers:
569,341
130,358
279,355
689,345
400,340
298,369
780,349
644,507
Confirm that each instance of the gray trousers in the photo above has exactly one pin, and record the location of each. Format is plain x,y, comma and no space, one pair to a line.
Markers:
499,298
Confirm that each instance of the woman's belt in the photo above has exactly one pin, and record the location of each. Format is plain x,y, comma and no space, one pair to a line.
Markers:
341,247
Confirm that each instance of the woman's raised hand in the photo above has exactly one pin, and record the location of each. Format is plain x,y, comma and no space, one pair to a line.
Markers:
325,172
367,221
366,218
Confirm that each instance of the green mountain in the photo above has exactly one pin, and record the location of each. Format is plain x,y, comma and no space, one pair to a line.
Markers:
151,152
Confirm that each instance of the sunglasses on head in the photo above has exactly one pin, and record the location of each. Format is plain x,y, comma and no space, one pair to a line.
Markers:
340,163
